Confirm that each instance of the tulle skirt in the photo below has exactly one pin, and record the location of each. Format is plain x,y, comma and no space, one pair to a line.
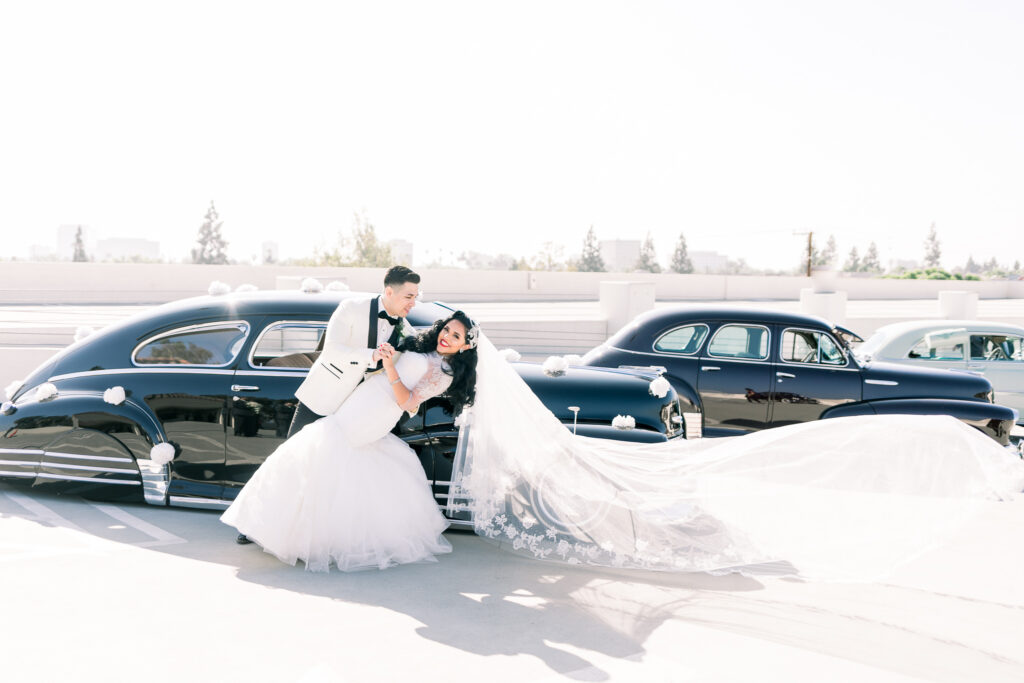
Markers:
321,500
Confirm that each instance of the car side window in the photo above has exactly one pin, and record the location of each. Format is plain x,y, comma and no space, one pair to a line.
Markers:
997,347
938,346
287,344
685,340
810,346
740,341
216,345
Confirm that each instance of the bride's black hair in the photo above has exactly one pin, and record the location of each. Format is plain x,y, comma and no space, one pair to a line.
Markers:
462,364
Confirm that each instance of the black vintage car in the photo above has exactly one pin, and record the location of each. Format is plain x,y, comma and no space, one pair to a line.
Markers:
215,377
739,370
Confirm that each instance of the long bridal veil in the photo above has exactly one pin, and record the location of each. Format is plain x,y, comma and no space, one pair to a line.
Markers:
845,498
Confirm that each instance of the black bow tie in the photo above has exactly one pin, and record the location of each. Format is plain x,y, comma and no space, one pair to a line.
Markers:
383,315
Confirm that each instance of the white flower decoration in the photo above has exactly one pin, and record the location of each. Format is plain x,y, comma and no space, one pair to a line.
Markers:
624,422
528,521
83,331
13,387
246,287
218,288
114,395
659,387
511,531
337,286
574,560
608,546
162,453
511,355
555,366
311,286
573,359
46,390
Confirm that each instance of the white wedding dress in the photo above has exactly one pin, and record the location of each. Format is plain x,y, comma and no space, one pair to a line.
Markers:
346,492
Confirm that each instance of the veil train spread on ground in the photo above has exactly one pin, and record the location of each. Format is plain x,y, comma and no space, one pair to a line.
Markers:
844,499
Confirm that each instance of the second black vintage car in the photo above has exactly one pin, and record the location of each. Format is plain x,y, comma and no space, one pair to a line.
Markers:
744,369
214,377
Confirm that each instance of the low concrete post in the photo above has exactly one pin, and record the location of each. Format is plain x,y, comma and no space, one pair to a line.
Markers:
958,304
828,305
621,301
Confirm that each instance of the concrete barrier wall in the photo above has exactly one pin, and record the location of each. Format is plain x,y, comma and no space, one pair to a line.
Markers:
120,283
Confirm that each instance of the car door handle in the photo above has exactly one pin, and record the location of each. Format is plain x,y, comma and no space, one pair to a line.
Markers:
244,387
975,366
785,374
709,368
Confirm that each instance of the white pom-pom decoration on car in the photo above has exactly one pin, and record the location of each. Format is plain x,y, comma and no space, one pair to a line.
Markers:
12,388
82,332
246,287
659,387
114,395
624,422
555,366
162,453
45,391
218,288
511,355
573,359
336,286
311,286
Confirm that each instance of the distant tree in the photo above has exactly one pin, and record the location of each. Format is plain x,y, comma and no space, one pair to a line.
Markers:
210,244
362,250
681,262
826,256
853,263
590,260
991,266
971,266
79,254
932,250
648,262
1016,267
550,257
870,263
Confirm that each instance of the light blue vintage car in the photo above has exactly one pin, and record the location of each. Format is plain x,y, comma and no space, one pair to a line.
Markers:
994,350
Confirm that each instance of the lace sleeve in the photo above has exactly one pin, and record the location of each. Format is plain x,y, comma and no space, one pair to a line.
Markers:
434,382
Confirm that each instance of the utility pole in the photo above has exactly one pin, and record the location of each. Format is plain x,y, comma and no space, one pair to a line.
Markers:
810,248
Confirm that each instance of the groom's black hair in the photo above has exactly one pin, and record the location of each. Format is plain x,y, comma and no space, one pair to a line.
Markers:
399,275
461,366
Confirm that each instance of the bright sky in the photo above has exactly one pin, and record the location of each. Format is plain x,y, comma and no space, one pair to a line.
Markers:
499,126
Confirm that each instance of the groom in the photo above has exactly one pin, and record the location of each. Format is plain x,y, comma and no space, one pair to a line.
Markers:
359,332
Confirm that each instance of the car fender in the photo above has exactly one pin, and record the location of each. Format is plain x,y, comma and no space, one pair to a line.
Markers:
994,420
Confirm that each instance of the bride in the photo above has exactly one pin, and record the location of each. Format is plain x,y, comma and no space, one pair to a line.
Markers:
344,490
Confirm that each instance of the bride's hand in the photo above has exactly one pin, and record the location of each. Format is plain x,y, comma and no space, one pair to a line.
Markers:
387,353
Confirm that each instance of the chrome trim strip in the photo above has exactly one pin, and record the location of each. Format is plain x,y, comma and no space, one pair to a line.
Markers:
7,473
190,502
22,451
105,458
156,479
655,349
282,324
94,480
846,359
191,369
242,325
768,345
277,372
20,463
882,382
91,468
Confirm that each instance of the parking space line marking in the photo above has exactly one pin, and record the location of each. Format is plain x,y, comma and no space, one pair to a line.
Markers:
160,536
43,512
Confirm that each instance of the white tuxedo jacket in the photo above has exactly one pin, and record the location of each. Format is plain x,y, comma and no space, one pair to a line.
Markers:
349,343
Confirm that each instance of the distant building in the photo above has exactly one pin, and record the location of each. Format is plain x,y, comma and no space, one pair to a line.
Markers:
401,252
40,252
708,261
66,241
126,249
619,256
269,252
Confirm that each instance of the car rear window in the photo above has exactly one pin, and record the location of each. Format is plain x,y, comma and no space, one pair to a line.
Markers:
740,341
212,345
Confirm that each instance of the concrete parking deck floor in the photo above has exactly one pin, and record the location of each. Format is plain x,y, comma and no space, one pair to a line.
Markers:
95,591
